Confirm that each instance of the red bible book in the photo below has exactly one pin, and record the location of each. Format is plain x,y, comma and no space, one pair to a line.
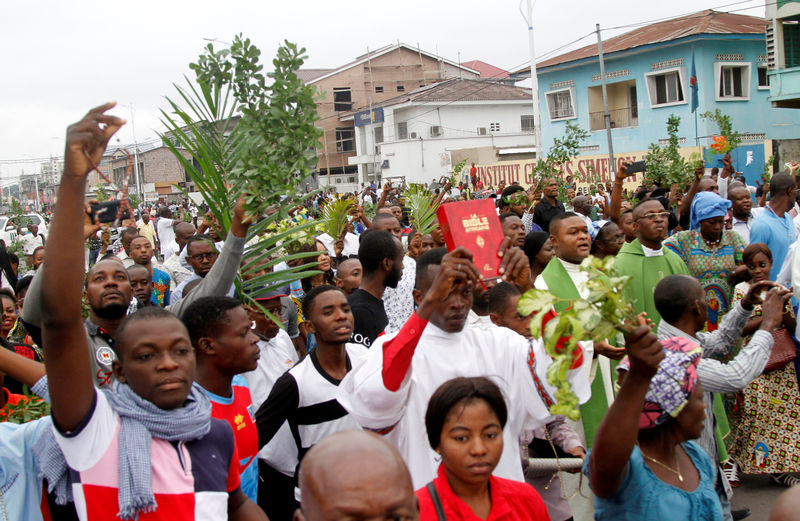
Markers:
476,226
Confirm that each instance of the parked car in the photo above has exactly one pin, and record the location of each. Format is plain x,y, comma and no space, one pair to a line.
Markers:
8,231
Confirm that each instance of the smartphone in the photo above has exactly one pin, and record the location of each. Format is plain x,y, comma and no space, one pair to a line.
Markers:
636,166
106,212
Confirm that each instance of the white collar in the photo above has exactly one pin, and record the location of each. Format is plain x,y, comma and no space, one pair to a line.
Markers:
648,252
571,267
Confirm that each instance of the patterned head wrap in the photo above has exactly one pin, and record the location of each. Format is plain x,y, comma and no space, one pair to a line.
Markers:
706,205
672,385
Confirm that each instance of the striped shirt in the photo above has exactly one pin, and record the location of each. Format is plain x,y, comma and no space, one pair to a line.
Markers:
305,397
191,479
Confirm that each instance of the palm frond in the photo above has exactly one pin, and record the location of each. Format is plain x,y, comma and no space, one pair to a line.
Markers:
419,200
334,215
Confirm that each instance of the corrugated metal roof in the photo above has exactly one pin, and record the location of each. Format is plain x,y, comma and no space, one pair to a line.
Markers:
487,70
703,22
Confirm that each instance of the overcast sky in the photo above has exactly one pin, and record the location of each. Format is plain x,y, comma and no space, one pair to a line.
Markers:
59,58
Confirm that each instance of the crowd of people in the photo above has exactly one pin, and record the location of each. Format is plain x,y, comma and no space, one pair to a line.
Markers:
392,382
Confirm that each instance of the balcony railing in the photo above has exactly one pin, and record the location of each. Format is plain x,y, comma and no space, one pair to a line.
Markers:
624,117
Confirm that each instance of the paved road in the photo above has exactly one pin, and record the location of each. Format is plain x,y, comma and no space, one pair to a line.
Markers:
757,494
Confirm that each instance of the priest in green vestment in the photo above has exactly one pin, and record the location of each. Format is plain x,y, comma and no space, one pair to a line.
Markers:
645,260
563,277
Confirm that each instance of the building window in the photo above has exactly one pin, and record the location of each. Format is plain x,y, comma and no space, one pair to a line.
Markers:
379,89
351,179
665,87
345,141
733,81
402,130
378,134
526,123
341,99
763,79
623,105
494,127
560,104
401,88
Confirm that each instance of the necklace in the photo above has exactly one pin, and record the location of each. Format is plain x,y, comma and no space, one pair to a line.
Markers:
677,464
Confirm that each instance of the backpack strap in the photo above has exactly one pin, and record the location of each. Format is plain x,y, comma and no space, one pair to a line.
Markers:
437,502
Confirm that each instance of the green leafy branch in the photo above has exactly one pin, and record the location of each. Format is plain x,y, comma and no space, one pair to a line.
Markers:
725,124
562,151
252,133
599,317
665,165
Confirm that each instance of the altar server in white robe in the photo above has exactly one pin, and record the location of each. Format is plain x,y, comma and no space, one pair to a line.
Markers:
389,391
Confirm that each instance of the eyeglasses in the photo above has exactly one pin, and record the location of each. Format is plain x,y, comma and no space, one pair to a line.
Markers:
199,257
655,215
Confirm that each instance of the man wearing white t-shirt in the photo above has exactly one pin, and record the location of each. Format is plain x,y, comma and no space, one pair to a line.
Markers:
166,233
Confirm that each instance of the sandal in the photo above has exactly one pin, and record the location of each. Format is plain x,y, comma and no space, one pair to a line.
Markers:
785,479
731,471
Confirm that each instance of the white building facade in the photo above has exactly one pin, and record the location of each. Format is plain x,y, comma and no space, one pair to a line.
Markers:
419,137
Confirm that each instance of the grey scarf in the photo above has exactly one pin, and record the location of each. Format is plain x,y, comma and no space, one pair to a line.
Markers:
141,421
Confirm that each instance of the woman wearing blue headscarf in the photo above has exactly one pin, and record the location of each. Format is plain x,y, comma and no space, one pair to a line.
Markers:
710,251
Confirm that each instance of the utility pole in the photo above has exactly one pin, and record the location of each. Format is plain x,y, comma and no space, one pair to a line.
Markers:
537,127
606,115
36,185
136,156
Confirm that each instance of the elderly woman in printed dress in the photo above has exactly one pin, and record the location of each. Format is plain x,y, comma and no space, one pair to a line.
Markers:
710,251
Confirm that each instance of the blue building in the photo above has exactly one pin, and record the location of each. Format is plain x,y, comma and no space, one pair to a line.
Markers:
647,75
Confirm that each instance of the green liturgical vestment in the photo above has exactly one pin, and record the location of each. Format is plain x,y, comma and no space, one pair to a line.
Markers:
560,284
645,273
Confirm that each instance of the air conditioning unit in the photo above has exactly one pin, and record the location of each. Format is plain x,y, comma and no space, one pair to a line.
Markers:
481,131
413,135
436,130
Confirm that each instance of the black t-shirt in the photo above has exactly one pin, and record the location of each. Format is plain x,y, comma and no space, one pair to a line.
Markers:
369,316
544,212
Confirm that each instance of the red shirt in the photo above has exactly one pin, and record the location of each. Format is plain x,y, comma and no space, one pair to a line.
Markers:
511,501
238,412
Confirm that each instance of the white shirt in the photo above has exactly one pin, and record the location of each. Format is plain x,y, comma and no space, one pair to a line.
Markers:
497,353
30,242
166,234
350,244
278,355
169,249
399,302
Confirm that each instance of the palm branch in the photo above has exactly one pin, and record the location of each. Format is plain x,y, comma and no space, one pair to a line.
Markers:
204,131
419,201
334,215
